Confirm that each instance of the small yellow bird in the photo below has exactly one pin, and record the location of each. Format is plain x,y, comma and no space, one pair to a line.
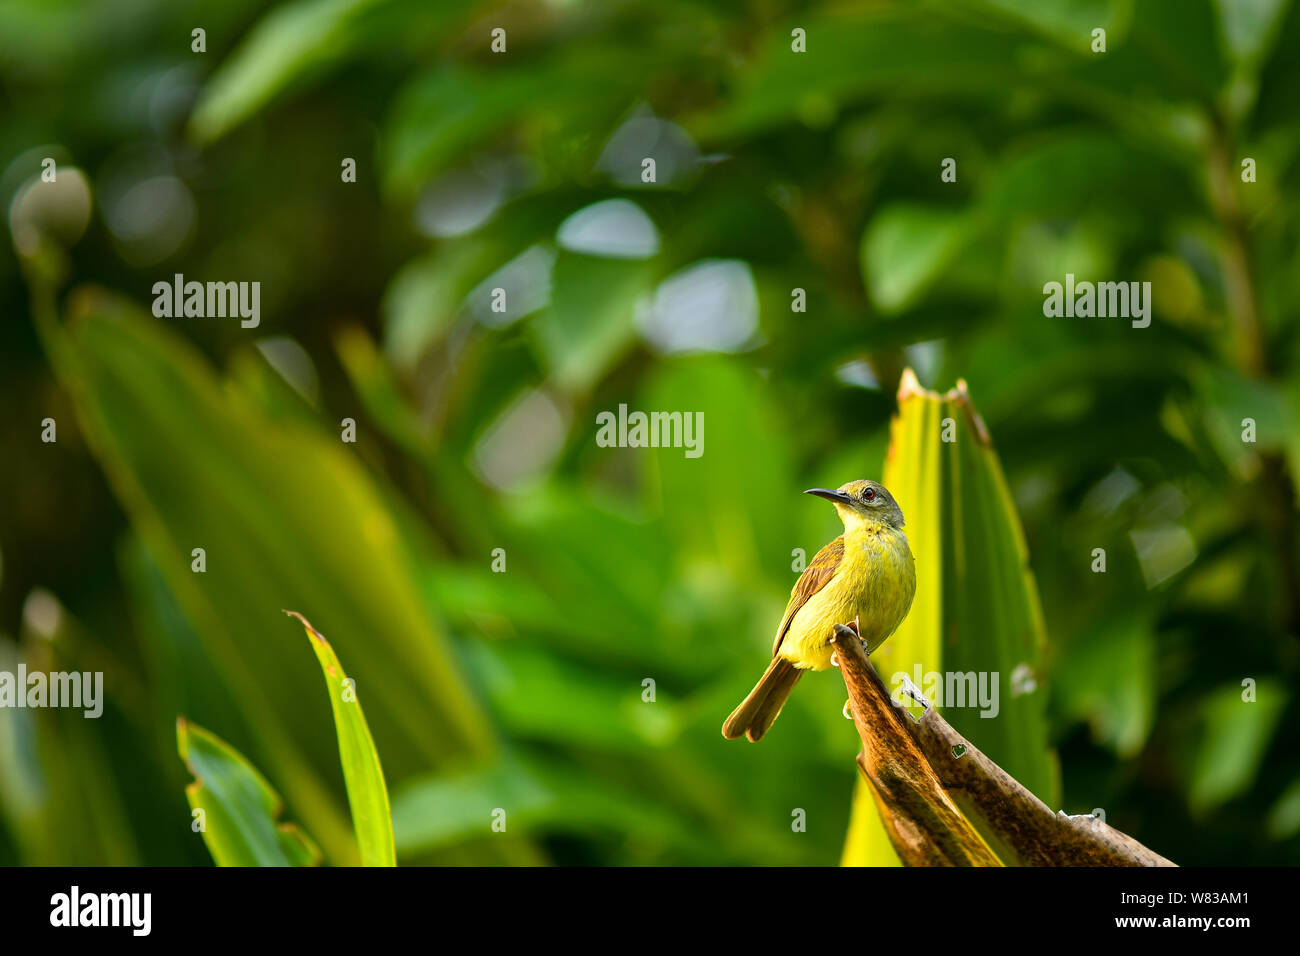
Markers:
866,576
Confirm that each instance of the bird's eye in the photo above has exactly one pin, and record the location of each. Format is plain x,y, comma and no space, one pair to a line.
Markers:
869,494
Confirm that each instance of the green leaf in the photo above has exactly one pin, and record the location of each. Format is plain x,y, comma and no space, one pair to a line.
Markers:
590,320
1112,681
240,809
1230,399
289,41
367,792
1234,736
976,607
904,250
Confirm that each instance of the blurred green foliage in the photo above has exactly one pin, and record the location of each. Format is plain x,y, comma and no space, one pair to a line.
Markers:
475,429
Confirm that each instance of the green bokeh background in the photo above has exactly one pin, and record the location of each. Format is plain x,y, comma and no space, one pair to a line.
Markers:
476,430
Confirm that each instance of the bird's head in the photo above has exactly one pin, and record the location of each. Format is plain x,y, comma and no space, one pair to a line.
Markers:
862,502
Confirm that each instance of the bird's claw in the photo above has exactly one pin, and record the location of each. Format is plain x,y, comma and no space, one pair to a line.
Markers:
853,627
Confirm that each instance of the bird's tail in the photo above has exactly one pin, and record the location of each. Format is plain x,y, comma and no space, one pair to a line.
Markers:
758,711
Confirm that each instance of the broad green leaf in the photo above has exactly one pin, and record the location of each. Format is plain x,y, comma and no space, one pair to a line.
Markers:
239,809
590,320
364,777
976,608
1235,733
905,248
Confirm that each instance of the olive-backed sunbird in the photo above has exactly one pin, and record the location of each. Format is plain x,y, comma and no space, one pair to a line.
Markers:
866,576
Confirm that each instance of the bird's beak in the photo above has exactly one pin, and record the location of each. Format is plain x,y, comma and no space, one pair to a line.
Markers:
830,494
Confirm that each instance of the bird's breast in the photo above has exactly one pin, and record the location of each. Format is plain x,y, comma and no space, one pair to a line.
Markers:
873,584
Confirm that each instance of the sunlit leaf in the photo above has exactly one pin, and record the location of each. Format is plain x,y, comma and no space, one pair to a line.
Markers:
367,791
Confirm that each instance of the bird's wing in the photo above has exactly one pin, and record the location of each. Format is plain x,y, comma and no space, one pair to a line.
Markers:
813,579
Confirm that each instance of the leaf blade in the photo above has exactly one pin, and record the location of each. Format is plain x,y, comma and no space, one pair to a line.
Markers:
240,808
362,773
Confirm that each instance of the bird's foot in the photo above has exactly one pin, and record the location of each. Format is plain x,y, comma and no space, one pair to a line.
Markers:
857,629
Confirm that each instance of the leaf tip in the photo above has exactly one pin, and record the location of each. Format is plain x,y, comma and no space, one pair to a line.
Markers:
909,385
962,394
306,624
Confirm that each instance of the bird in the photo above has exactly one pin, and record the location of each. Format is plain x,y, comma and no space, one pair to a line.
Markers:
866,577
